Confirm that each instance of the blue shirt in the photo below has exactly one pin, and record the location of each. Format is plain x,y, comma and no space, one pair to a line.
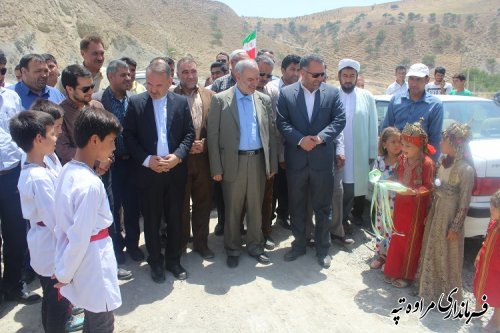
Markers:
249,124
28,96
10,153
403,110
119,109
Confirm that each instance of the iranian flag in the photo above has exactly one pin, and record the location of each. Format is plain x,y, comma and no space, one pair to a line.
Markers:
250,44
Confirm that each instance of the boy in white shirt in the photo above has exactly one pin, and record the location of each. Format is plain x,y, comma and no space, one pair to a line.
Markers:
85,264
34,132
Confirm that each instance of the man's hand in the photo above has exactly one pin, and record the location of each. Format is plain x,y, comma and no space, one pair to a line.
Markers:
282,165
171,161
340,161
217,178
197,147
101,167
308,143
157,164
271,175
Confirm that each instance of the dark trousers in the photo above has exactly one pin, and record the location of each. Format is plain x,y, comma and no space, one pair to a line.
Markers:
348,201
101,322
14,229
164,195
280,194
219,202
318,185
115,228
267,208
55,311
125,196
358,206
199,190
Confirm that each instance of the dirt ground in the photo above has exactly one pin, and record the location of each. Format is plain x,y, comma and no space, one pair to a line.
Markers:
296,296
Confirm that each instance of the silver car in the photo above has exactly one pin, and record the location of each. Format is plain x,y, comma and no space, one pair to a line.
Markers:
483,115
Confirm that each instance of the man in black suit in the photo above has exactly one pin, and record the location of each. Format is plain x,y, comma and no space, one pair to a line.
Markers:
310,117
158,133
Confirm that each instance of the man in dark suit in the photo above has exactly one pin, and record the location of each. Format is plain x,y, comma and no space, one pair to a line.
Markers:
310,117
158,133
242,151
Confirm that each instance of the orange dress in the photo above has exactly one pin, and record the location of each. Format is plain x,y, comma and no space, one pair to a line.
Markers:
487,276
410,212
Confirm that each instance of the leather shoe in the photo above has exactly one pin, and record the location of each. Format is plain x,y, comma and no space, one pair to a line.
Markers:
262,258
178,271
310,242
23,296
205,252
342,240
284,222
123,274
136,254
157,273
269,243
219,229
232,261
325,261
293,254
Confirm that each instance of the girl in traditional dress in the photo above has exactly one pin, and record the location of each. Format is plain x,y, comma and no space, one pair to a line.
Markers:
487,276
389,148
415,170
442,255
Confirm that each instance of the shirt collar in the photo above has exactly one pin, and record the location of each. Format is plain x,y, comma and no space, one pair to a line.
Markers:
307,90
25,90
424,97
195,91
240,95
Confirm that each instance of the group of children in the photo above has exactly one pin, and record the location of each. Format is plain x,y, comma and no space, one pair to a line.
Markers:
424,243
69,216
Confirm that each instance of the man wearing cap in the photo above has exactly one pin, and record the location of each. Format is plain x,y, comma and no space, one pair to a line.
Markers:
310,117
360,141
416,103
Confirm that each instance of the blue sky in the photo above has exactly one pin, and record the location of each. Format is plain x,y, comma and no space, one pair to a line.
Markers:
291,8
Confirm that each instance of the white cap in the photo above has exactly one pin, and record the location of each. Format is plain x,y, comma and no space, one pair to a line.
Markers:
349,63
418,70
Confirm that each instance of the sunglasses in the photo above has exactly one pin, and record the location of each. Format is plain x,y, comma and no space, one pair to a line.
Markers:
316,75
266,75
3,71
87,88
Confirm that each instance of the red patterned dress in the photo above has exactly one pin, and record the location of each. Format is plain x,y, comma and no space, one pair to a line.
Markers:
487,276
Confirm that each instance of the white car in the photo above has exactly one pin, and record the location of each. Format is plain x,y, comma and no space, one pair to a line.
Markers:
483,115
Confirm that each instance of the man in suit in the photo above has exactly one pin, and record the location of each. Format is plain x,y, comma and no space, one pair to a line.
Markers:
242,153
158,133
199,183
310,117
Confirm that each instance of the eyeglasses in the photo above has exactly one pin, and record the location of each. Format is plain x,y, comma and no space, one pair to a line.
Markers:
87,88
3,71
222,60
316,75
266,75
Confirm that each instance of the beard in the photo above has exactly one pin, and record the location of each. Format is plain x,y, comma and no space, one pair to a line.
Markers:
348,88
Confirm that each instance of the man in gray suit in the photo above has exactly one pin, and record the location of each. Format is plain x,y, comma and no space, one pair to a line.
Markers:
310,117
242,153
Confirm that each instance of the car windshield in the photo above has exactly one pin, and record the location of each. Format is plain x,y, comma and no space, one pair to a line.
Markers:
483,116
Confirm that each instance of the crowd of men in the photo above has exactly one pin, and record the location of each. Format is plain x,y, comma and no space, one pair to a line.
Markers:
256,145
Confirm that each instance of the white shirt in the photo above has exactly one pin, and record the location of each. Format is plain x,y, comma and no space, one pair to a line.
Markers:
160,108
349,103
88,267
36,186
53,163
309,97
10,105
435,89
395,88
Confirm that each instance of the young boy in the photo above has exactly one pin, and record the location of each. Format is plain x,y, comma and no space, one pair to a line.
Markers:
85,264
34,133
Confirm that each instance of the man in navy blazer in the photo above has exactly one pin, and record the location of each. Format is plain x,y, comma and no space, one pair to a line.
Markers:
158,133
310,117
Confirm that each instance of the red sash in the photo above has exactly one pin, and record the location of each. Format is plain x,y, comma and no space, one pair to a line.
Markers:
103,233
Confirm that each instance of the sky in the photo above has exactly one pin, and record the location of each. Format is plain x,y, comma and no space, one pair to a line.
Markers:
291,8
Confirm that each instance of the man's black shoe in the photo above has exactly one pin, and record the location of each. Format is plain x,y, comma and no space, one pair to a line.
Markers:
178,271
157,273
123,274
325,261
23,296
232,261
262,258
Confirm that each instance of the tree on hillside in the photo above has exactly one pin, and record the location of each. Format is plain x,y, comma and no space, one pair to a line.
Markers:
470,22
379,39
432,18
407,35
292,28
429,60
434,30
